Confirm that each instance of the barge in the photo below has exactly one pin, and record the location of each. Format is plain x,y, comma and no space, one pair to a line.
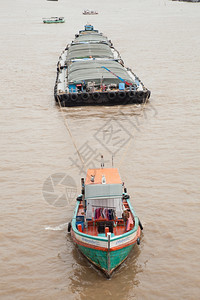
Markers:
90,71
104,226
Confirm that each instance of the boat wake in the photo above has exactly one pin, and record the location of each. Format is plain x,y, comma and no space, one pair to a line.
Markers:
57,228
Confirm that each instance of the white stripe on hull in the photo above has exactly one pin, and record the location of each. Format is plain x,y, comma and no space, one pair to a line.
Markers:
120,241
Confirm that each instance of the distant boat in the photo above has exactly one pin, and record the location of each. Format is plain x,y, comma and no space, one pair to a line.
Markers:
90,12
194,1
104,225
53,19
52,0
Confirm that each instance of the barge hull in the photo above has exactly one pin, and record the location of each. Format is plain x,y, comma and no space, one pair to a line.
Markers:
92,99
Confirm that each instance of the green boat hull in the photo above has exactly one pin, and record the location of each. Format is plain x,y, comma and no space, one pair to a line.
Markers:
106,261
53,22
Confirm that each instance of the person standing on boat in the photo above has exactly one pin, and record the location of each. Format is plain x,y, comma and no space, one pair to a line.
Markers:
125,216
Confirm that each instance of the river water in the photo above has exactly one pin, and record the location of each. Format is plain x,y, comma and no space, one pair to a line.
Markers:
155,147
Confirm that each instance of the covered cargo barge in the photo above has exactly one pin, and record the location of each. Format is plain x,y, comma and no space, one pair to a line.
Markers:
90,71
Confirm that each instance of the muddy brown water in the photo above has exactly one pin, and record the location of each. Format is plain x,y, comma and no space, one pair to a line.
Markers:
155,148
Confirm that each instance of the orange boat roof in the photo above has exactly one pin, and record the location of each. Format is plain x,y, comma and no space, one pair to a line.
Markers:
111,175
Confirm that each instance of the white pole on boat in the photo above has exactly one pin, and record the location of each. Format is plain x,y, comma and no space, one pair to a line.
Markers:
108,256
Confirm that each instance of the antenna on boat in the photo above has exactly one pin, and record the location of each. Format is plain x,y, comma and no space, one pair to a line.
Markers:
112,162
102,162
82,186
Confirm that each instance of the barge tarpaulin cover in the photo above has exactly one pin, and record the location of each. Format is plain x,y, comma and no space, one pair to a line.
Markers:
89,50
92,70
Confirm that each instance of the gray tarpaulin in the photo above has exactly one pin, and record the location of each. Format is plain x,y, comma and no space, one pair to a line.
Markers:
90,38
91,70
87,50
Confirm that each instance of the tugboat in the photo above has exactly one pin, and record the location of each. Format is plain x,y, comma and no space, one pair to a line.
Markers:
104,225
90,71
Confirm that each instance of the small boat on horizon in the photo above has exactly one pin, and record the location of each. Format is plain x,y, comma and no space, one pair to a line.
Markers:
193,1
53,20
90,12
104,225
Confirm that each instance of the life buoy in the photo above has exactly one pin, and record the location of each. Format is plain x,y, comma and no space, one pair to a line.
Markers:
69,227
96,96
85,96
111,95
122,95
73,96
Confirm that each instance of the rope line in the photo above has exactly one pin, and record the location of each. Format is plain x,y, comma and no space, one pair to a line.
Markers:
67,126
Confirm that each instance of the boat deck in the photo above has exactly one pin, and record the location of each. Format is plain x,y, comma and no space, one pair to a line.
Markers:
93,230
119,226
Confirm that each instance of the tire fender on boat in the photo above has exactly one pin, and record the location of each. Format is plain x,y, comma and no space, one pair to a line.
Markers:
140,224
79,198
73,96
62,103
85,96
122,95
66,96
138,241
69,227
140,94
111,95
148,94
131,94
96,96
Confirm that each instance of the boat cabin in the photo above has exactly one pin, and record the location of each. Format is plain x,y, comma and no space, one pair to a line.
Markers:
103,194
89,28
103,205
